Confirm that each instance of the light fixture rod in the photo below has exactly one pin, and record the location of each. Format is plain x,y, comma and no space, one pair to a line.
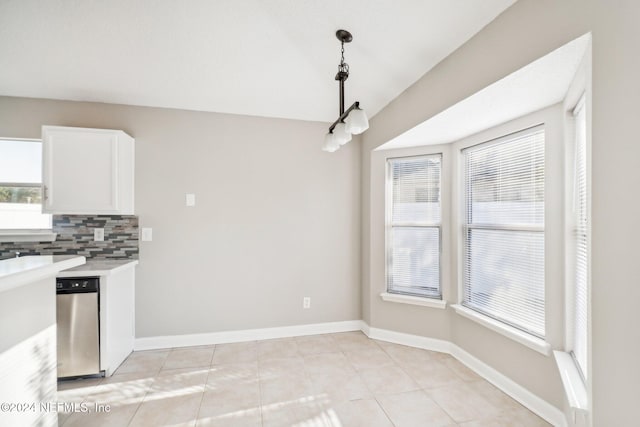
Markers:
343,69
342,97
344,115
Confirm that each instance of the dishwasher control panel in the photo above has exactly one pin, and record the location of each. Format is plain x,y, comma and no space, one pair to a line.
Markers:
77,285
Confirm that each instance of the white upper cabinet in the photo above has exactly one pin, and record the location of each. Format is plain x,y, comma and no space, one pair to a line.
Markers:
87,171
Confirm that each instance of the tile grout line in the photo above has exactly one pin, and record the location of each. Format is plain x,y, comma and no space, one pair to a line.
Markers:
147,390
420,388
383,410
364,382
426,390
373,394
206,381
259,383
423,389
84,399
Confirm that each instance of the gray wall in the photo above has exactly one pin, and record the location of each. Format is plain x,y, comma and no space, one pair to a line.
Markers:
276,218
523,33
616,209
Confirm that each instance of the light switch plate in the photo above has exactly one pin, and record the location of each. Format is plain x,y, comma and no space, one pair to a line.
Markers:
146,234
98,234
191,199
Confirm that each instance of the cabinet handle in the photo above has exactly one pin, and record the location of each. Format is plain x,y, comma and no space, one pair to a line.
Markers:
45,196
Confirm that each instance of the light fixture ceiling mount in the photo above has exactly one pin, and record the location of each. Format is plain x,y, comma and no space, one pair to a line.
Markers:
344,36
353,121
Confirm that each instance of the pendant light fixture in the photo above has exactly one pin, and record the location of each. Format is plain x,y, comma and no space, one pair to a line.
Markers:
353,121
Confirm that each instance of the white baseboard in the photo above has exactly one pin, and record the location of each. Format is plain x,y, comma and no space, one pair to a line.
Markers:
534,403
410,340
170,341
537,405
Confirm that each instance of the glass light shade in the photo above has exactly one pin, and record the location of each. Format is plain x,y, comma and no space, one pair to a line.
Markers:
357,121
330,143
341,134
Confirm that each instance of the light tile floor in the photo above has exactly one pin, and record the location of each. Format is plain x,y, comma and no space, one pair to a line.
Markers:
331,380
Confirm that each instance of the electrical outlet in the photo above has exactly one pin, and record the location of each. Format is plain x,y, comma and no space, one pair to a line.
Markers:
306,302
146,234
98,234
190,199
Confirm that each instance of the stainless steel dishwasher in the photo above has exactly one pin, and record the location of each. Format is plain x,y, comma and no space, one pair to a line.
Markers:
78,319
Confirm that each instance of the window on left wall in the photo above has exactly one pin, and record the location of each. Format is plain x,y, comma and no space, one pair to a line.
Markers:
21,187
414,226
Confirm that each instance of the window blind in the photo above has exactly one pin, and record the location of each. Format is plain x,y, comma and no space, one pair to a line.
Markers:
504,230
413,219
581,268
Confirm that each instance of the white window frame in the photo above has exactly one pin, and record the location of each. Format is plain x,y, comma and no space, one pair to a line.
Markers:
574,381
511,331
572,282
435,300
26,234
553,119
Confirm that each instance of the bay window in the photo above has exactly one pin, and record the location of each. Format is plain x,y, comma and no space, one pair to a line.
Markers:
414,226
579,291
503,230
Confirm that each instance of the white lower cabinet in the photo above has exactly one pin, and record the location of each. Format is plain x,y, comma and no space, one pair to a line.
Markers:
87,171
117,319
116,308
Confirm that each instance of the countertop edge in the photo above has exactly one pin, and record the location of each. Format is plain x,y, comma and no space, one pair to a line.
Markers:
92,273
21,278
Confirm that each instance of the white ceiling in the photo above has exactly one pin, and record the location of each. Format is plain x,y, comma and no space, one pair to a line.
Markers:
540,84
273,58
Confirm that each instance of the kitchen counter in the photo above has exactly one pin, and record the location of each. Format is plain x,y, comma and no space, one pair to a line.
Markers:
98,268
16,272
28,357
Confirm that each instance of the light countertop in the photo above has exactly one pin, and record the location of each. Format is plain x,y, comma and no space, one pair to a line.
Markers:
98,268
16,272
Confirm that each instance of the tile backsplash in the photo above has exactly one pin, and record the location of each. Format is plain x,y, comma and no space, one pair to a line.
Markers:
75,237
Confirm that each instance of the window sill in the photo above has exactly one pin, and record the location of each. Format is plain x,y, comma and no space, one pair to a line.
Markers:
574,387
534,343
27,236
407,299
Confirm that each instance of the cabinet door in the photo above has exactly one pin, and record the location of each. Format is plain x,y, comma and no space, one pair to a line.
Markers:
80,170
